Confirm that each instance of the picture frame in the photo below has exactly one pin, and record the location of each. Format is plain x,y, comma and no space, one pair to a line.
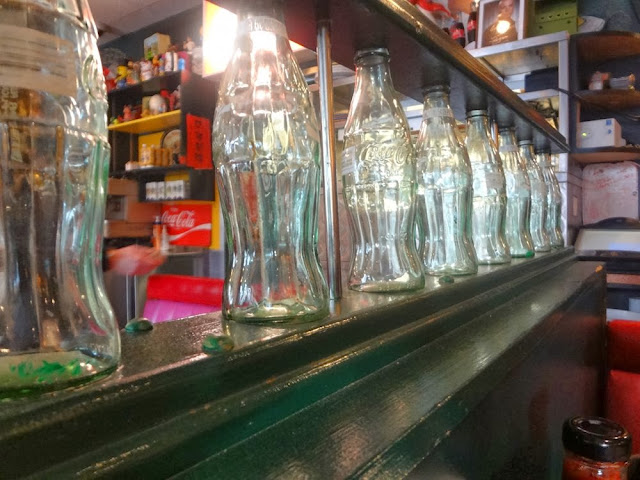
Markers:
501,21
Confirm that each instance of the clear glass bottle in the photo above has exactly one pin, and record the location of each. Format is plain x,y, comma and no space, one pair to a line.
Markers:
378,176
489,192
554,200
538,219
56,325
518,195
266,154
445,187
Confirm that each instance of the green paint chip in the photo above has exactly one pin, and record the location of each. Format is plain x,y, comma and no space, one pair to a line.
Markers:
217,343
445,279
139,325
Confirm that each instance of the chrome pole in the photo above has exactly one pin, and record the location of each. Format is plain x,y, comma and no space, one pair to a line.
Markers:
325,89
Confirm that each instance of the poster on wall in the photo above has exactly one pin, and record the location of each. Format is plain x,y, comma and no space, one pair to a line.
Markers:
188,224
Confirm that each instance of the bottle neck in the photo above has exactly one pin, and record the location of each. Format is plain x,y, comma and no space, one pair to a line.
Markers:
544,159
261,16
507,140
527,153
372,72
478,126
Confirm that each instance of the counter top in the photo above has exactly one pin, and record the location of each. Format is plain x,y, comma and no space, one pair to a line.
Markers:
330,398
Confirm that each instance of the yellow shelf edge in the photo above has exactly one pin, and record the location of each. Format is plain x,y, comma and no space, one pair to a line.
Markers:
149,124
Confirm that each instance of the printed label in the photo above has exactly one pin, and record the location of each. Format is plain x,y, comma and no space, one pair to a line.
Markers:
349,161
438,112
36,61
262,24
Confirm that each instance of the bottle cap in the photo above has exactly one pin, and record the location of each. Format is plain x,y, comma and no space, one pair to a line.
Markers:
366,52
596,438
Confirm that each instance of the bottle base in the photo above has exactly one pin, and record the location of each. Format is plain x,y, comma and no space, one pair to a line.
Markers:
494,261
265,315
35,373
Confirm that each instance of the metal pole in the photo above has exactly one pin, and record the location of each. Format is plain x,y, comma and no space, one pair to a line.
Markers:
325,89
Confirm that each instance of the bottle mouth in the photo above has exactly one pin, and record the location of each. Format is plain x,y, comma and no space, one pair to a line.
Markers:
436,88
477,113
370,52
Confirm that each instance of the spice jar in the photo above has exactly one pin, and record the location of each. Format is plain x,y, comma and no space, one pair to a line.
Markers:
595,448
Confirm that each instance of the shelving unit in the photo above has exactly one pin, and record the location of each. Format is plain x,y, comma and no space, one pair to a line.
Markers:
609,100
153,123
618,53
421,55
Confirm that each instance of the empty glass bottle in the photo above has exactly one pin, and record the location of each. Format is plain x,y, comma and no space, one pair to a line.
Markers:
538,219
378,175
554,200
56,325
518,195
445,187
489,192
266,153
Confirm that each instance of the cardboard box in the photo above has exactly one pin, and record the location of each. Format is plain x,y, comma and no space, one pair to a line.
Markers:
605,132
610,190
156,44
122,186
129,209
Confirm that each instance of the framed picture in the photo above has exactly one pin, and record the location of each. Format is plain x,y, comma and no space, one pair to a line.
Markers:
501,21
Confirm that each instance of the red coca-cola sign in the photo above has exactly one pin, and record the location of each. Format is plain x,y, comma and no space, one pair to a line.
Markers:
188,224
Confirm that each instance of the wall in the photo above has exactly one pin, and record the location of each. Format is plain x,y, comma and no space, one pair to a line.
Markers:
178,27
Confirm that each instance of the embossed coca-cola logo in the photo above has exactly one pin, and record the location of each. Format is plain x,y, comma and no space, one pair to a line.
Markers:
376,153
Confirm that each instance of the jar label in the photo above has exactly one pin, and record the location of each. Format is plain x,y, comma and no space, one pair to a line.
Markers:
348,161
508,148
438,112
36,61
262,24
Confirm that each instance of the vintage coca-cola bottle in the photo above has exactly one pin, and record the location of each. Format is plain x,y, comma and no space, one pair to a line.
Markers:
489,192
518,195
554,200
445,186
378,177
266,153
538,219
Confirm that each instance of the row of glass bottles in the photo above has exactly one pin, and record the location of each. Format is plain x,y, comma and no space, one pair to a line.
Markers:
473,205
266,149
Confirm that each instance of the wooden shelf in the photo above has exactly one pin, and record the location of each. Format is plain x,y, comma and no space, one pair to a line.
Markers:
169,80
422,55
150,124
605,155
610,99
599,47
